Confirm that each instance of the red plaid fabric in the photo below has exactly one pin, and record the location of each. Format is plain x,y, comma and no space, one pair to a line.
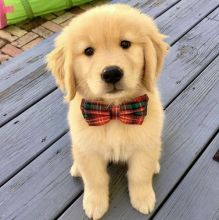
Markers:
98,113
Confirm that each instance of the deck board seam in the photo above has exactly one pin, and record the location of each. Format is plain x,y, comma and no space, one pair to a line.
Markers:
68,205
165,10
34,157
27,107
190,82
193,26
211,139
30,105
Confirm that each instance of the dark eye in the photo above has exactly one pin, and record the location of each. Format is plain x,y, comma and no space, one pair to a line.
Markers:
89,51
125,44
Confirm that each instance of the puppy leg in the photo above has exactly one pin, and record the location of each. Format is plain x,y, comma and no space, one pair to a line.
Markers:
93,170
140,173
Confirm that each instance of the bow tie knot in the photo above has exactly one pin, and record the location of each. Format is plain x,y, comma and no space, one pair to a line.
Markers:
98,113
114,111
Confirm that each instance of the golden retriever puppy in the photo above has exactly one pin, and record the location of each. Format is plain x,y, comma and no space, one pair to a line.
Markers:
112,54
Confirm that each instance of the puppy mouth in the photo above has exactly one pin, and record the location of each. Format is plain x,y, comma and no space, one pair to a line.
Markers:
114,90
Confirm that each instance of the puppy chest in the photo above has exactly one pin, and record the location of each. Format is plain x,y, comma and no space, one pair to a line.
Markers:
117,142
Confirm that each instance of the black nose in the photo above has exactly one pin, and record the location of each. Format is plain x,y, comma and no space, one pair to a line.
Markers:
112,74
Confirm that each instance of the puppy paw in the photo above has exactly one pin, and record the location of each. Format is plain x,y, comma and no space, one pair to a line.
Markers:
157,169
74,171
95,204
143,199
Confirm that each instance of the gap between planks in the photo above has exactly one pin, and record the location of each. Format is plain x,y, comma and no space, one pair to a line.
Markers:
28,106
159,14
191,81
195,24
34,157
211,139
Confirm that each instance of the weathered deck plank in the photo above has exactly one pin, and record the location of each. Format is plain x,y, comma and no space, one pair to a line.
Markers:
25,93
30,133
19,75
43,189
19,67
188,57
191,120
152,8
181,17
197,197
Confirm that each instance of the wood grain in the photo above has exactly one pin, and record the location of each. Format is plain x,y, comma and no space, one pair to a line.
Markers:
191,120
22,81
197,197
43,188
153,8
189,56
25,93
30,133
19,67
181,17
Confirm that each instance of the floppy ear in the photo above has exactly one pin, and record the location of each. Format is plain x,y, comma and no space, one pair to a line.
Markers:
61,67
155,50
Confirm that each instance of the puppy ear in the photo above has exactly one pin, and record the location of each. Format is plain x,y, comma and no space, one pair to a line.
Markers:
60,66
155,50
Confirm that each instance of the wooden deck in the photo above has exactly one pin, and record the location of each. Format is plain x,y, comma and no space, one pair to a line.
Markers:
35,145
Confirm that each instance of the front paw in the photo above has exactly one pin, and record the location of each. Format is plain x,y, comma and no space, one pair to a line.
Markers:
95,204
143,198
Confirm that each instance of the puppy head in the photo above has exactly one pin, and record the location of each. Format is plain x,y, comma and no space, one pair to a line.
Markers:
109,52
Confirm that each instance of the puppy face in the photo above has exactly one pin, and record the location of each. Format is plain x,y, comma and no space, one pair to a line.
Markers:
109,52
114,67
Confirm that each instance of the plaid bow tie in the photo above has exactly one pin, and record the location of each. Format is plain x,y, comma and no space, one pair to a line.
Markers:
97,113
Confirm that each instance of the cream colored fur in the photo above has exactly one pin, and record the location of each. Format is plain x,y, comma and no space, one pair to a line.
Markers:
79,76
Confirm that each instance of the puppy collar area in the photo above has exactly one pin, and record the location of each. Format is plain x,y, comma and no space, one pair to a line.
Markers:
100,113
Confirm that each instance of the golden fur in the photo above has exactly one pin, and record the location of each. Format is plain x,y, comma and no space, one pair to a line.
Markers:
78,75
